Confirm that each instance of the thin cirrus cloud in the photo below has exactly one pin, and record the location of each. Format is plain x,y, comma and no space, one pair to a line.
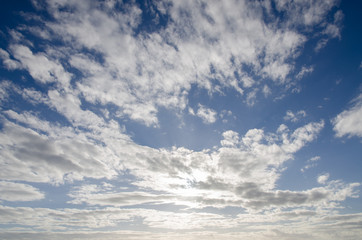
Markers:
94,71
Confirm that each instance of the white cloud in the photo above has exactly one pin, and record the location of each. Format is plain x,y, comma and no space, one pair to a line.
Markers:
142,72
30,156
312,162
183,176
87,224
334,30
98,195
266,90
40,67
349,122
100,60
251,98
321,44
225,115
322,179
231,138
254,158
7,61
10,191
315,158
207,115
304,71
5,88
305,13
294,117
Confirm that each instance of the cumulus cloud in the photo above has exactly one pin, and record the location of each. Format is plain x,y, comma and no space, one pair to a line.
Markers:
231,138
349,122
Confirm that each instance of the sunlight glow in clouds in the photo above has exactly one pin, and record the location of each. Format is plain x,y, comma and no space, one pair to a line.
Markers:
92,92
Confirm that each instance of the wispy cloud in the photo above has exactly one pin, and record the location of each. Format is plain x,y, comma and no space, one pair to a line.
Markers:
312,162
304,71
294,117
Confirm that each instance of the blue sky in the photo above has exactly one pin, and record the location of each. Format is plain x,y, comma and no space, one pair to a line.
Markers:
180,119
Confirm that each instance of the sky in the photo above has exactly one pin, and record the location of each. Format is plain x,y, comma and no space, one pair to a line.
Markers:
180,119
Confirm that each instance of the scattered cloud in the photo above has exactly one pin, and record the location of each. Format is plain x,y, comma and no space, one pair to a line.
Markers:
313,159
311,163
304,71
251,98
266,90
95,68
294,117
331,30
322,179
225,115
142,72
207,115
